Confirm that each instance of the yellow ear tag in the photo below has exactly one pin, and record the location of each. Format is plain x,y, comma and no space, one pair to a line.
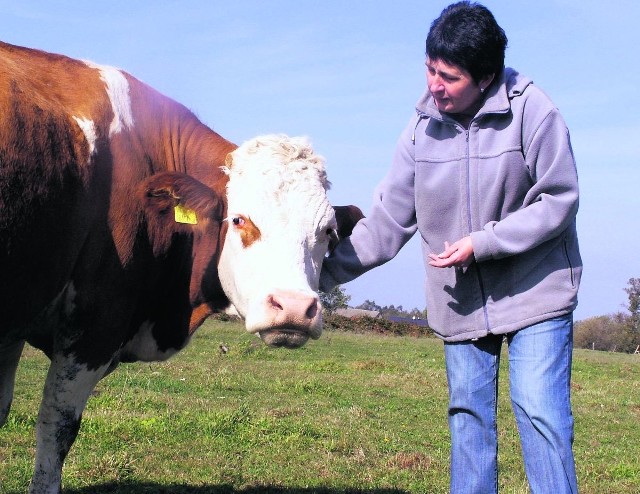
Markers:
185,215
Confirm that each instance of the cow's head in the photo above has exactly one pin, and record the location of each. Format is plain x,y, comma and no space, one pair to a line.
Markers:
275,231
280,224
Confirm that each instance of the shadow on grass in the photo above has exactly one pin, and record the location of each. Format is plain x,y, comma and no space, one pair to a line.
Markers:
151,488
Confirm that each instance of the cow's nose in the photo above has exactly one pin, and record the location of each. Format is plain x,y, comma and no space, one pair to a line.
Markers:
296,309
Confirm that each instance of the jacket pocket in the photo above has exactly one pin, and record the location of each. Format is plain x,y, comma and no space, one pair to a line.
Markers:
565,247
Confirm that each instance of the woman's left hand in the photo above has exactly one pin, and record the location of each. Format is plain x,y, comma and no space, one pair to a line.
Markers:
458,254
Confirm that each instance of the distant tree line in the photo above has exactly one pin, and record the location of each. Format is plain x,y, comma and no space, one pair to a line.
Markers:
338,299
392,310
618,332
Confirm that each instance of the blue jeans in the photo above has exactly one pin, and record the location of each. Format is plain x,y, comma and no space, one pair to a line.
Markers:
540,375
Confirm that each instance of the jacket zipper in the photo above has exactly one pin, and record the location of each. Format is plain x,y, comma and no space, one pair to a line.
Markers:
421,115
470,229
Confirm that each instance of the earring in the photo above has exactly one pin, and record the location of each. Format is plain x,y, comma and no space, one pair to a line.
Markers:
482,90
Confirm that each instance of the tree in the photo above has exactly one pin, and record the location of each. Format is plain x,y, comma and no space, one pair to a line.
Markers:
392,310
418,314
604,333
633,291
335,299
369,305
614,333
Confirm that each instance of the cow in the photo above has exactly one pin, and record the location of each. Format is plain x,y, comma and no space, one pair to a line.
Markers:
125,222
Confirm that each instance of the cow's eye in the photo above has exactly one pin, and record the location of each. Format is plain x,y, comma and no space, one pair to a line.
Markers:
245,229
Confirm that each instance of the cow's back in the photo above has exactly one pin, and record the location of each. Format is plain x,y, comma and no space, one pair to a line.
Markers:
52,179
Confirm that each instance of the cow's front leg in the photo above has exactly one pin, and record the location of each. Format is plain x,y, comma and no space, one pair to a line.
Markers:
67,389
9,358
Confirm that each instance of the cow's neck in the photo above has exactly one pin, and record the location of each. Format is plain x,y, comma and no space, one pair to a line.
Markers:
196,149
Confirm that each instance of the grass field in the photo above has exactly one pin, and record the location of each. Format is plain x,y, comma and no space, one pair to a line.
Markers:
348,413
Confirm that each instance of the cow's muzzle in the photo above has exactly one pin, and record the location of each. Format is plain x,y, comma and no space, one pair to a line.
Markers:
289,319
284,338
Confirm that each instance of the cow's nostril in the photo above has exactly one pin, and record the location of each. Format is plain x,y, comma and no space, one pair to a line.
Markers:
274,303
312,311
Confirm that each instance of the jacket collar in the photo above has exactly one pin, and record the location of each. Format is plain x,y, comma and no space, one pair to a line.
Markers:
510,84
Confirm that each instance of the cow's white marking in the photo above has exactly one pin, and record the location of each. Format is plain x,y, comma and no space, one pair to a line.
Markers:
280,184
66,392
144,347
118,91
231,310
89,129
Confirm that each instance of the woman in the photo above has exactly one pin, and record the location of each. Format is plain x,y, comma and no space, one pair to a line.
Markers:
485,172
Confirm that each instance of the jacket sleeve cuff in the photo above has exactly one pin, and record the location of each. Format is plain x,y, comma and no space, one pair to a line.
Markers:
481,246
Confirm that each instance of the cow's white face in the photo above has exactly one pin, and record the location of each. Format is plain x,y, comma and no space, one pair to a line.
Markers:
279,226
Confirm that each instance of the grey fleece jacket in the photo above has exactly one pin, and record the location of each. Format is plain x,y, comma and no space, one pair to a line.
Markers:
510,182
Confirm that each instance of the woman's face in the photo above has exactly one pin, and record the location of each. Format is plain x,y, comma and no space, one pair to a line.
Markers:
453,89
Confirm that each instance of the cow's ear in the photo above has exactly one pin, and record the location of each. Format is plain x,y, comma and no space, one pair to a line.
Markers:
347,217
175,202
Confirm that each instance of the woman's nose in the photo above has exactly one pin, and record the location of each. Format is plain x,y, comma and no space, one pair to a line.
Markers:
435,84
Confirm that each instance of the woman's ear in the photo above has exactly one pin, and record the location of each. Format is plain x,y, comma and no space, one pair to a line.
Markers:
485,82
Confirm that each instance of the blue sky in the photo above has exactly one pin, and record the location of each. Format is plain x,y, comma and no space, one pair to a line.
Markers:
347,74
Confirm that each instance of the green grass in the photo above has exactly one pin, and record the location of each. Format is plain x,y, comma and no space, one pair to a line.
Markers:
347,413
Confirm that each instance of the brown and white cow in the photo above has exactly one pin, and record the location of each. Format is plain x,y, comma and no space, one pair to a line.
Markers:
115,206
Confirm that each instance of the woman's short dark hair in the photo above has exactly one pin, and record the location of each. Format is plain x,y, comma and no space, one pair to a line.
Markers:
467,35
